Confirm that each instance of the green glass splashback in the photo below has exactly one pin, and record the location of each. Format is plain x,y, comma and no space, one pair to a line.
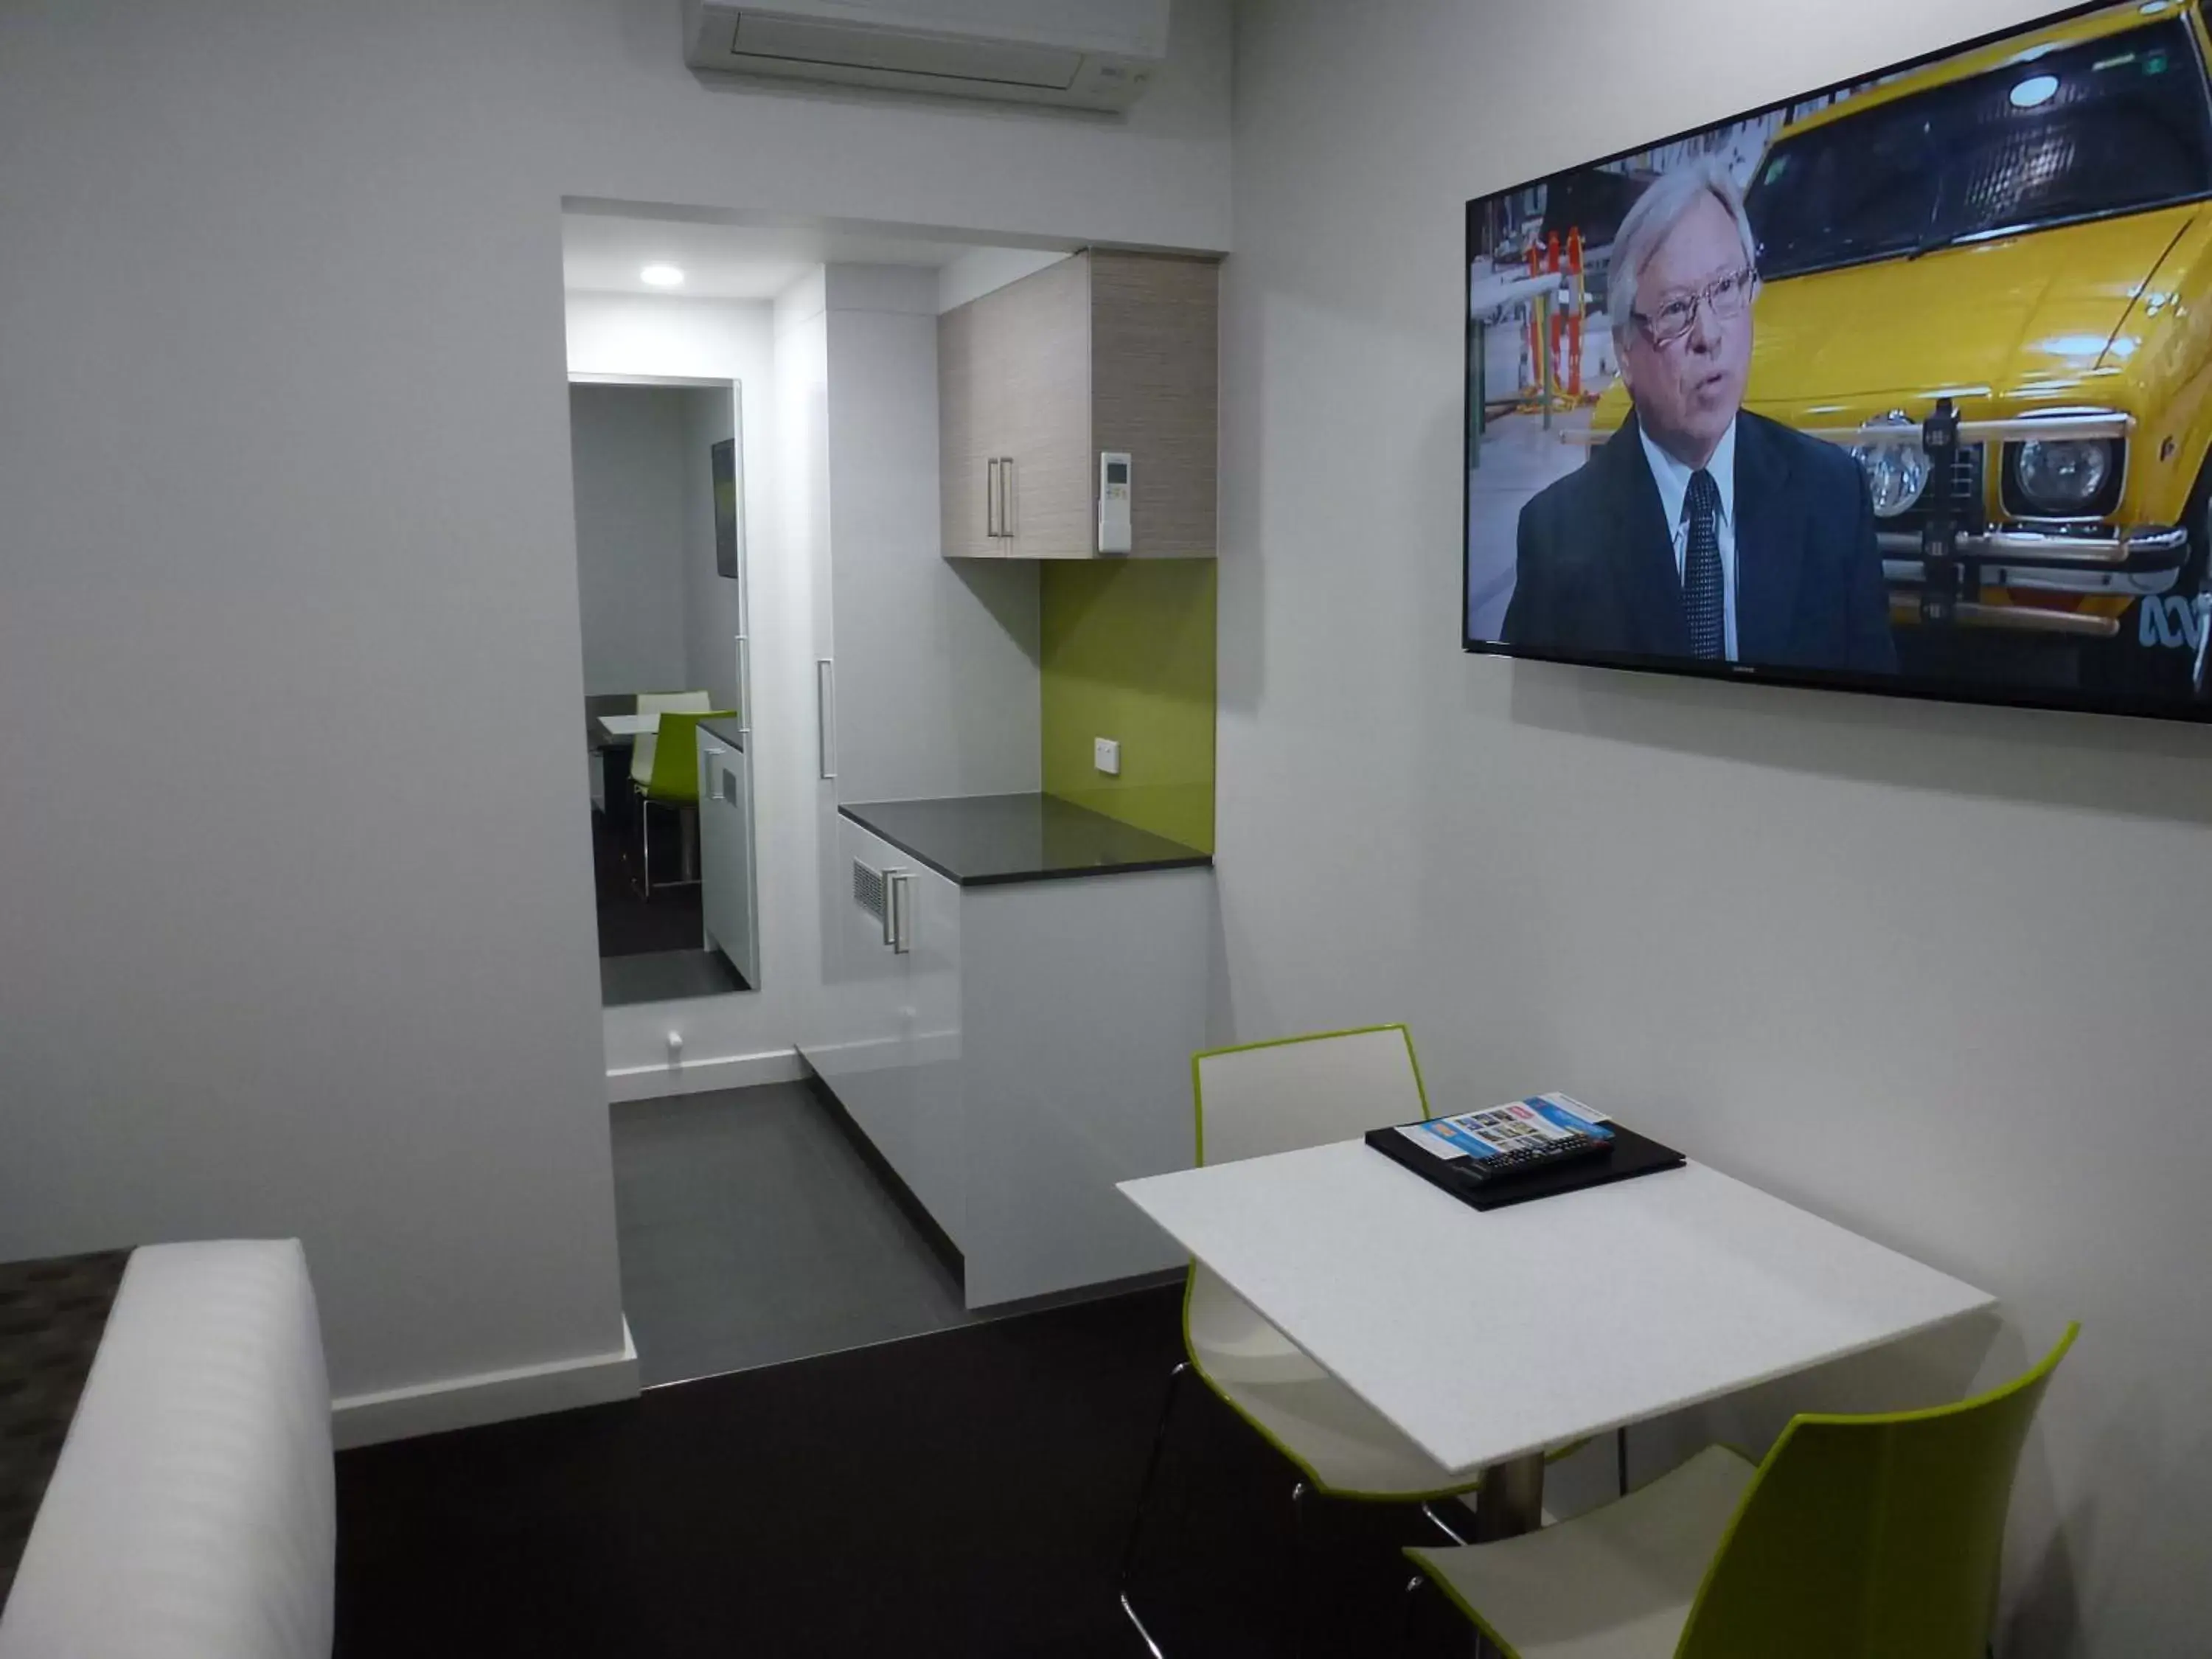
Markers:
1128,654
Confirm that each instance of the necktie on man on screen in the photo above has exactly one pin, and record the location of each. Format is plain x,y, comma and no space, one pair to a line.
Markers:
1704,605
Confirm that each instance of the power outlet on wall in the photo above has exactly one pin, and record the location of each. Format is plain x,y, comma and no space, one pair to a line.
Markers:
1106,755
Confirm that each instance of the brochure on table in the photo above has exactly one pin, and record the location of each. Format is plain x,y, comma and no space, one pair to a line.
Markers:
1519,1125
1541,1147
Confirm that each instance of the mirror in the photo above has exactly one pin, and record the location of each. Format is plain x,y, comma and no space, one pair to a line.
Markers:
660,574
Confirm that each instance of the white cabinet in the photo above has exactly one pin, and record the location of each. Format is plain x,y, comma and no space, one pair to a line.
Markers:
890,1047
1013,1050
726,886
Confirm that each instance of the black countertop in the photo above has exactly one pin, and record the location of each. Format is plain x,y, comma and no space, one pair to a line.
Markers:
979,840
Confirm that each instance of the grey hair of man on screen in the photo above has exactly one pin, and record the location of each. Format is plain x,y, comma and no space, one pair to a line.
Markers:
1657,211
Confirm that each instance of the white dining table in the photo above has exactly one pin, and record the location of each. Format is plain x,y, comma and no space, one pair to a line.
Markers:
628,726
1490,1337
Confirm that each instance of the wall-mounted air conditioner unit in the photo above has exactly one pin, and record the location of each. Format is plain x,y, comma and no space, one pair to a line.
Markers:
1080,54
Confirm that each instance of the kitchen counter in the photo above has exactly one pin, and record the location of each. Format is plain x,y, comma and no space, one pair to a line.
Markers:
727,729
981,841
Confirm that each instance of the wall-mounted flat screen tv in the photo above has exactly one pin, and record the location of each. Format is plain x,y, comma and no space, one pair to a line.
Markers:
1903,385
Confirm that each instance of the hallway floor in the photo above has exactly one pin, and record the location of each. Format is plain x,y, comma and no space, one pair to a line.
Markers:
752,1232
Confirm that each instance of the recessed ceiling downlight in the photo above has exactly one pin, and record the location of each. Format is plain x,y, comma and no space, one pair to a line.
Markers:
661,276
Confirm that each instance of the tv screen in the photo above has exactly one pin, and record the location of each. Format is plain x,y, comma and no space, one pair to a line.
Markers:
1903,385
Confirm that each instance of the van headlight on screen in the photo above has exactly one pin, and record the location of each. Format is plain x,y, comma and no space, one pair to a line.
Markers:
2063,474
1896,472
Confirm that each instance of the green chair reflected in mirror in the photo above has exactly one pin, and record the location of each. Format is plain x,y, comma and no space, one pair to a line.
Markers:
673,781
648,743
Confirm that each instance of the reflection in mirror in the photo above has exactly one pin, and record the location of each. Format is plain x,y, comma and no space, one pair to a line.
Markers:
661,569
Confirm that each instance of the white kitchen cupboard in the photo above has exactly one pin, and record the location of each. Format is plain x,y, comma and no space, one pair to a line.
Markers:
1103,352
726,882
890,1063
923,676
1013,1050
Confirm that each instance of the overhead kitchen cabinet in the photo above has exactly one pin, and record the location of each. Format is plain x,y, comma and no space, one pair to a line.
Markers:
1101,354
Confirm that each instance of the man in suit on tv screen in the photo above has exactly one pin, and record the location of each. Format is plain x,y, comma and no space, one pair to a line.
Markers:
1699,530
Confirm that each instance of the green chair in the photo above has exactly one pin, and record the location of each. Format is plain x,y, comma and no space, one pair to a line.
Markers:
673,781
1857,1538
646,743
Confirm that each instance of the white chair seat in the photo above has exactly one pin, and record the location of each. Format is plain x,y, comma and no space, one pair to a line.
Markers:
1338,1439
1343,1445
1616,1584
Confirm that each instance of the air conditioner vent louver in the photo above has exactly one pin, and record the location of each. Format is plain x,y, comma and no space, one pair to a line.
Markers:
868,889
830,45
1078,54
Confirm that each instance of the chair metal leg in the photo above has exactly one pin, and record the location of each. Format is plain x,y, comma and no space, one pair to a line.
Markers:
1297,1598
1143,1501
1441,1524
687,873
1406,1604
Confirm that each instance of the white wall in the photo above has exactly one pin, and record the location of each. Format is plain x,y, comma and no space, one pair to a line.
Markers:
714,614
981,271
619,336
628,450
1876,957
284,457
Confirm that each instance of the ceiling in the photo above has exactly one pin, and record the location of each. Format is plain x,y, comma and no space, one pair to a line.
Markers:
604,253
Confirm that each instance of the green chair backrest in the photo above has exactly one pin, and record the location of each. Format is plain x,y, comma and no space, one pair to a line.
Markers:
676,755
1871,1537
659,703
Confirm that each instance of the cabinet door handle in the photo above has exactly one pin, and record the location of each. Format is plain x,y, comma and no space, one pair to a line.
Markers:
991,498
712,788
825,715
1006,496
898,910
745,691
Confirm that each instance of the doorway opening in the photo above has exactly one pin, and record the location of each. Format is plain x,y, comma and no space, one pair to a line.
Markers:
758,1223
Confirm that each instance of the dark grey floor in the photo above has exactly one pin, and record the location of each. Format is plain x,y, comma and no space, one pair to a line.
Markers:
753,1233
666,976
629,923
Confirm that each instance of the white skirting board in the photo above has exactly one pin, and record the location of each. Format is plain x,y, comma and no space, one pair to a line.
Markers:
467,1402
694,1077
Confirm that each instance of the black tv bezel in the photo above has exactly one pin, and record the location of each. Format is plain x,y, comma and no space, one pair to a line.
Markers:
2141,706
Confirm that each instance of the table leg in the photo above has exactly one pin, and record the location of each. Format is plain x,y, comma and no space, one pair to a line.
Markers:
1511,1502
1512,1499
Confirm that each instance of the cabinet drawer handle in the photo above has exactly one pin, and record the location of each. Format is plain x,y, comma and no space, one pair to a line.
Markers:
898,910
